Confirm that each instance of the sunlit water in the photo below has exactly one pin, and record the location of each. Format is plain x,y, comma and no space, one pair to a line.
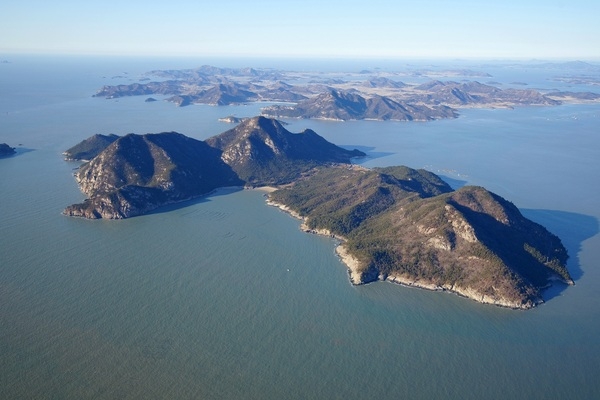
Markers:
224,297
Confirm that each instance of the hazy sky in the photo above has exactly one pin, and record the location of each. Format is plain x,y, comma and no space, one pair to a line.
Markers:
324,28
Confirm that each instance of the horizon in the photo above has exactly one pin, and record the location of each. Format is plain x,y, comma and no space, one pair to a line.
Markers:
5,57
382,29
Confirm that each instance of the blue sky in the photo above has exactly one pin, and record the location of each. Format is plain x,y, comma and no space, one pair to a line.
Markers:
524,29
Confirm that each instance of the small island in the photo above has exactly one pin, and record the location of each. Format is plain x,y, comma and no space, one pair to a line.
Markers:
6,150
395,224
231,119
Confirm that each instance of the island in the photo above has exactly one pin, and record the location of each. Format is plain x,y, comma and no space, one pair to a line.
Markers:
395,224
366,95
6,150
134,174
231,119
409,227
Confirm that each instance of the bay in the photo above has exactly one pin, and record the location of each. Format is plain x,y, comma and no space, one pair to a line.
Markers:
224,296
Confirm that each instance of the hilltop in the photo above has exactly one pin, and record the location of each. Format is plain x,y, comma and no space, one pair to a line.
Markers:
90,147
262,152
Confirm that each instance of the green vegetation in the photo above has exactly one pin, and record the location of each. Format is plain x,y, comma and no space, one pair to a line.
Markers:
262,152
90,147
404,222
397,221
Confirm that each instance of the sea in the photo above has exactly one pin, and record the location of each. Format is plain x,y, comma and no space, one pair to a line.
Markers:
224,297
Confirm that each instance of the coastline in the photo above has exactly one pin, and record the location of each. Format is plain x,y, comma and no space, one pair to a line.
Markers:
356,270
352,264
462,292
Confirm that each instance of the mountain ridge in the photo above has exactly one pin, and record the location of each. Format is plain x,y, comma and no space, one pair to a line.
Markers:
133,174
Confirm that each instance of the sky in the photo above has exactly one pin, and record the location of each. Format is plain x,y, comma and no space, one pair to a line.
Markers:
468,29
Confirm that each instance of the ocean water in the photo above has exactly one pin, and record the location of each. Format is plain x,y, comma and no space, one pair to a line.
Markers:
224,297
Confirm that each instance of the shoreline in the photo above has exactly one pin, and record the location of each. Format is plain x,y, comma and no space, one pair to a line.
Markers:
356,273
352,264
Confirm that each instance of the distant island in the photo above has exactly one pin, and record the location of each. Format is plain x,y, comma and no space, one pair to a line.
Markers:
366,96
6,150
396,223
232,119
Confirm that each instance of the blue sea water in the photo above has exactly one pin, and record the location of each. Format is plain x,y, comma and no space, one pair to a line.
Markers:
224,297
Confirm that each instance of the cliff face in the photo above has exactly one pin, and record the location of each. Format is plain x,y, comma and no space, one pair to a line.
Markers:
404,226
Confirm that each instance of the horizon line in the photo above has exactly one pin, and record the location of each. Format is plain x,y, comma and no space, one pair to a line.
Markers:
305,56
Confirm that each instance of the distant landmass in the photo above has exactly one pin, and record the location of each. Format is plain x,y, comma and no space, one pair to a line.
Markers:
345,105
396,223
380,97
232,119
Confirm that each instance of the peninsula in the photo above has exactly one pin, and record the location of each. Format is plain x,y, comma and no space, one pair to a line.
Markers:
396,223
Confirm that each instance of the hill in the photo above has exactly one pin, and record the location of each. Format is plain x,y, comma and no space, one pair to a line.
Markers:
347,105
396,223
90,147
262,152
138,173
408,226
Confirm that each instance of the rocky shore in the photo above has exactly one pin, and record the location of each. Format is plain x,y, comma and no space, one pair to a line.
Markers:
358,275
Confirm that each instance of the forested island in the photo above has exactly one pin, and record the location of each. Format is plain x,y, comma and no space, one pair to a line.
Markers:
396,223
